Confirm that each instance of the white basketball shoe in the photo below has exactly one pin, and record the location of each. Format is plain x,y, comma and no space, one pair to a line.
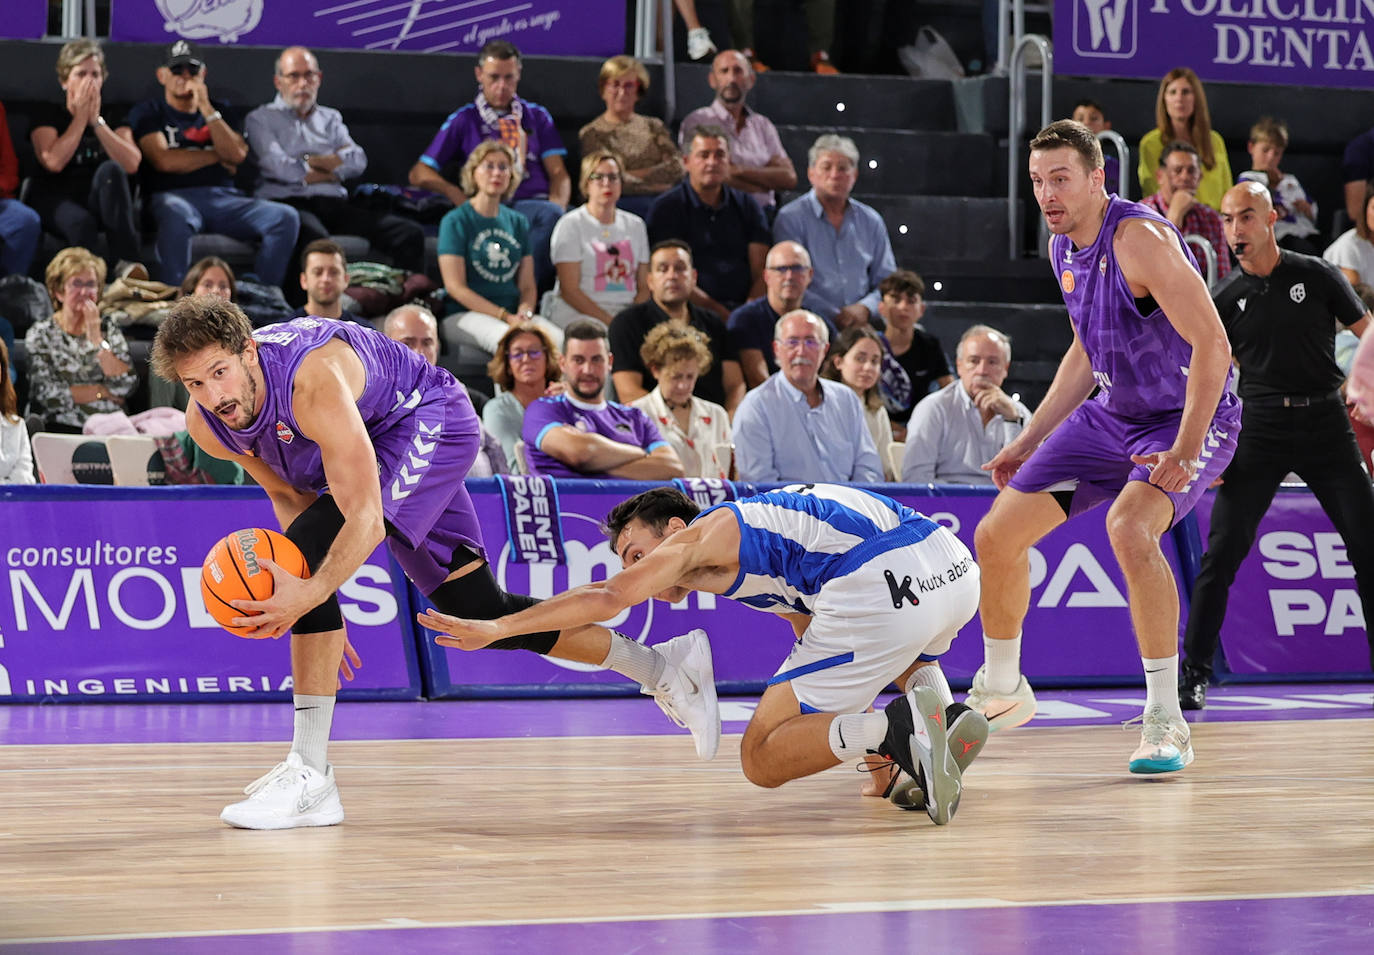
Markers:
291,795
1166,743
1003,710
687,689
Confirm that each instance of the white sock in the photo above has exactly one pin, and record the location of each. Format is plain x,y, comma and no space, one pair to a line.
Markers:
1161,684
314,716
642,664
1003,658
933,677
854,734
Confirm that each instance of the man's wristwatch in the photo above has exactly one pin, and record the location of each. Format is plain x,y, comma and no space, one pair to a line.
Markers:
213,116
105,345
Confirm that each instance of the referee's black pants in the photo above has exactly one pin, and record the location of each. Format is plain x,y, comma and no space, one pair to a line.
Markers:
1318,444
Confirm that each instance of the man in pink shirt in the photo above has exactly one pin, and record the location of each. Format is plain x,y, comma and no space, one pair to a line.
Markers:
758,163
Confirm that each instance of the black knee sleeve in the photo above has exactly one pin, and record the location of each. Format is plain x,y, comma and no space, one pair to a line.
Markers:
314,532
477,596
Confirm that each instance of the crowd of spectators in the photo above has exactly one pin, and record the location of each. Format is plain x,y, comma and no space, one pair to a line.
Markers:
683,318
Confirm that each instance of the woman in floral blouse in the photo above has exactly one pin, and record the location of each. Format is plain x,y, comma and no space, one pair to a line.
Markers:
79,364
653,162
698,430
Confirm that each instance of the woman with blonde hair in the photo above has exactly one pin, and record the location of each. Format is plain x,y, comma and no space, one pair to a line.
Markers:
16,455
485,256
601,253
856,358
652,160
79,363
698,430
525,367
1181,114
81,186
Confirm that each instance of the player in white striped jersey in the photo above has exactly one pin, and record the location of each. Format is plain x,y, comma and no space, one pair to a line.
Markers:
874,591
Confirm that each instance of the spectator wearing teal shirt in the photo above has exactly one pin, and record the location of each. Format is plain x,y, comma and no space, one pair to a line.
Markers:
484,252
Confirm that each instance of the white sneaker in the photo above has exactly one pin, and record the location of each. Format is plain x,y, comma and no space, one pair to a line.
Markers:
1003,710
291,795
699,45
687,689
1165,742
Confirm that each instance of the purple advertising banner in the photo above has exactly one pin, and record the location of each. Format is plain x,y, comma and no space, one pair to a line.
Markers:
1294,42
101,601
24,19
1078,628
549,27
1294,607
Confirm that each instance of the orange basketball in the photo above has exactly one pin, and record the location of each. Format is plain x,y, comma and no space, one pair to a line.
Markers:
232,572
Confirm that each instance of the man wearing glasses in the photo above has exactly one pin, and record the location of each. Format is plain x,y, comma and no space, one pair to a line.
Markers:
797,426
786,277
305,154
192,154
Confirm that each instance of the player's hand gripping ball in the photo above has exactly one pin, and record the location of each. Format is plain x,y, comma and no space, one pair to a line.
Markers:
232,572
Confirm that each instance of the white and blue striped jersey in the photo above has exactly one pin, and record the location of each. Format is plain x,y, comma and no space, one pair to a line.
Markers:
796,539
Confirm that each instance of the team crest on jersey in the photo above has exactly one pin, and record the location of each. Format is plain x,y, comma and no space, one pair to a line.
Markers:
1066,280
1298,292
1102,266
285,434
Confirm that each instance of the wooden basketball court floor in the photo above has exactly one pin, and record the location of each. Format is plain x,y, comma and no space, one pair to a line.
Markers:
589,826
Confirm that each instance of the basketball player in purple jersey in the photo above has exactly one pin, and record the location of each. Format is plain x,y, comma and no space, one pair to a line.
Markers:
1161,428
357,439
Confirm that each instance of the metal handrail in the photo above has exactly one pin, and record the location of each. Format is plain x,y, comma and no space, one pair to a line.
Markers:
1209,255
1016,127
1015,12
648,14
1123,157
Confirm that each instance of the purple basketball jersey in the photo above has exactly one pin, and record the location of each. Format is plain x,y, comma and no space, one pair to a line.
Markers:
422,426
1139,361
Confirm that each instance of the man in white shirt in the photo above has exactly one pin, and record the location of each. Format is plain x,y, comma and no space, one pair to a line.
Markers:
963,425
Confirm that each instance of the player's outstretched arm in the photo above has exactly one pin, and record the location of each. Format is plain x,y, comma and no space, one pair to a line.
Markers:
1153,263
662,569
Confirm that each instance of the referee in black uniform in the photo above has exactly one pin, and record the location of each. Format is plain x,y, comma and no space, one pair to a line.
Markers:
1280,311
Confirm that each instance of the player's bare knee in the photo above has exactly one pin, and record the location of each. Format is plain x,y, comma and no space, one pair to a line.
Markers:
757,770
1132,538
992,543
